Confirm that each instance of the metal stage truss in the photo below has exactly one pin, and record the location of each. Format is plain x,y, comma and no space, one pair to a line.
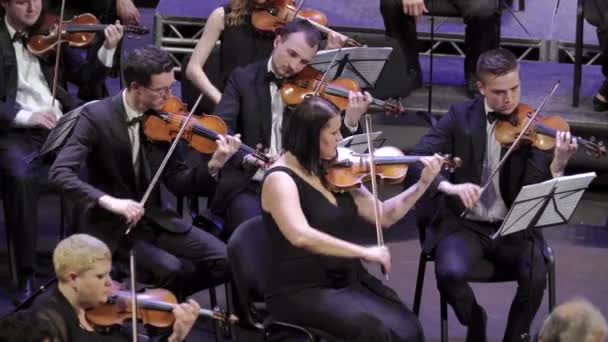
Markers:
178,35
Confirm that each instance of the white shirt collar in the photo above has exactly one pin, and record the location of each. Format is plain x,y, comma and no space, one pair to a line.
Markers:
269,68
131,113
487,106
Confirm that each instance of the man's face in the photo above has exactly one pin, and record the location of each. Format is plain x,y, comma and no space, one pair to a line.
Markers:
156,93
93,286
502,92
291,55
22,14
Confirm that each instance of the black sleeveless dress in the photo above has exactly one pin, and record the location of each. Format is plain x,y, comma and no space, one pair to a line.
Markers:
241,45
335,295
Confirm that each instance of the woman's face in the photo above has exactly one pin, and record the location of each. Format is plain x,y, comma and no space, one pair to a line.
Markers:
329,138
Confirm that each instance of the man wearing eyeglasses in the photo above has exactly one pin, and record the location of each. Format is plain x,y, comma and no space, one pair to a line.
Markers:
121,164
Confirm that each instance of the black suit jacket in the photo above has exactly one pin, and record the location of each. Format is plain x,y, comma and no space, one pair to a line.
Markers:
462,133
73,68
246,108
100,138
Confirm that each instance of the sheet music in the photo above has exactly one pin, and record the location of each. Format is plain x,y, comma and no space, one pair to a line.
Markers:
568,192
369,61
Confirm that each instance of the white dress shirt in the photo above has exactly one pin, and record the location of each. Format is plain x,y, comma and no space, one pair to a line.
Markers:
133,128
491,207
33,91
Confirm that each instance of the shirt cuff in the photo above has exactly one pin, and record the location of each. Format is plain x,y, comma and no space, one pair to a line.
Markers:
352,129
106,56
22,118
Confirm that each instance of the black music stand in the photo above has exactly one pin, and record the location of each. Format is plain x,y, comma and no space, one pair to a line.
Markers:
363,64
543,205
58,135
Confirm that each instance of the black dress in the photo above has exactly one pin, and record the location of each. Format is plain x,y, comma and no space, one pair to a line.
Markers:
335,295
241,45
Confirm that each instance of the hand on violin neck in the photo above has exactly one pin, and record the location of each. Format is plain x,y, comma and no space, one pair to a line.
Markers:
565,148
468,193
185,316
132,211
335,40
113,34
432,166
357,106
227,146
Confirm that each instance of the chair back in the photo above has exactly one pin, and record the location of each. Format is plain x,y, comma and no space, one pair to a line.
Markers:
249,257
440,8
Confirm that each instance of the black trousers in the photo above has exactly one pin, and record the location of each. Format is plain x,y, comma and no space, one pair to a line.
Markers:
596,13
243,206
186,262
470,254
20,172
352,313
482,19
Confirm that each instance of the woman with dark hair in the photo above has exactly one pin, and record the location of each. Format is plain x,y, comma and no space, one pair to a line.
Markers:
241,44
317,278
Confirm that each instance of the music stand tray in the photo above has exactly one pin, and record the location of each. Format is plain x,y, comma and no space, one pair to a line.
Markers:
545,204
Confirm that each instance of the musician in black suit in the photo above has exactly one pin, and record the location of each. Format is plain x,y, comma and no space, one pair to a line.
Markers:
482,19
596,13
26,117
121,163
252,106
467,131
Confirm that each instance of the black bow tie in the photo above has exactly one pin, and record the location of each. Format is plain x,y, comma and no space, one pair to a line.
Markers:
135,120
271,77
20,36
493,116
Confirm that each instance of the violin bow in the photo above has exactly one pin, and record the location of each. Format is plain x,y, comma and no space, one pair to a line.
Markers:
57,55
162,166
135,335
372,164
515,143
331,64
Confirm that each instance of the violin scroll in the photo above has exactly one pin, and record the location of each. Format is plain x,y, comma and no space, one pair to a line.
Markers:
450,164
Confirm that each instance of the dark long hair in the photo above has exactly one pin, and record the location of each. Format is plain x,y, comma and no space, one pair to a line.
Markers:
302,132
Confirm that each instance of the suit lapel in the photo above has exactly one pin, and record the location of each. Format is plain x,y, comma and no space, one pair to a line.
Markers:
262,87
9,62
477,128
121,134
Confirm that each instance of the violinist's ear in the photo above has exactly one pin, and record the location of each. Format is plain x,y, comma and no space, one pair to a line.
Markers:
134,85
277,41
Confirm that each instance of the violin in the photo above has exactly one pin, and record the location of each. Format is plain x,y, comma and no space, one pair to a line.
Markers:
78,32
541,133
273,15
154,308
294,90
351,169
200,133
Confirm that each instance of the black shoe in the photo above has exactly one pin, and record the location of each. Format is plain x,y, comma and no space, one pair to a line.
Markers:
25,289
471,83
476,331
599,105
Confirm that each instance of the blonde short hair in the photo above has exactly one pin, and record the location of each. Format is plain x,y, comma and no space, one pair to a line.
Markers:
78,253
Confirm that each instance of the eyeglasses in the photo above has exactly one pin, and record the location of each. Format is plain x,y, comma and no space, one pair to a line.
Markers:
161,91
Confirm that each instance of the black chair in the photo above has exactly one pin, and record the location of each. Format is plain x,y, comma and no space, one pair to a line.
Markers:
578,53
249,256
425,211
